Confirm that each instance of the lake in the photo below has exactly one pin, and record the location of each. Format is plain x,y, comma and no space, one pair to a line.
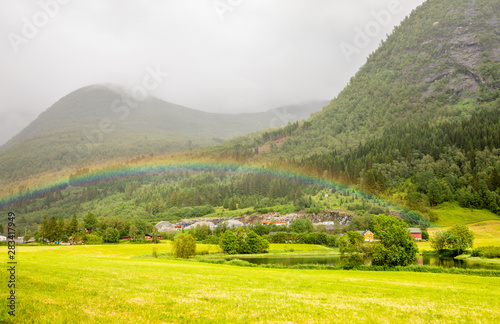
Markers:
334,260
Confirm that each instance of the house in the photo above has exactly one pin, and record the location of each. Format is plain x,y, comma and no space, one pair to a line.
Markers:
3,238
149,236
278,223
367,235
127,238
416,233
31,240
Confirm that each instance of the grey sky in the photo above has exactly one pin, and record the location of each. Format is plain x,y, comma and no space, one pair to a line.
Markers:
245,56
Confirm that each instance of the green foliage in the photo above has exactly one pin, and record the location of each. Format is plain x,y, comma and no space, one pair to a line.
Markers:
229,243
73,225
243,241
301,225
184,246
111,235
92,239
90,221
486,252
462,238
458,239
396,246
133,232
352,251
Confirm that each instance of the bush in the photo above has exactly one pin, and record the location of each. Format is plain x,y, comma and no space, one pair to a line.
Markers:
243,241
92,239
489,252
184,246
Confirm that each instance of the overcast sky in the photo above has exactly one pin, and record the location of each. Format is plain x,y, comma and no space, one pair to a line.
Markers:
227,56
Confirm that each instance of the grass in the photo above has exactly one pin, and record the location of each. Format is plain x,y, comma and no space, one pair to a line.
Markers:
450,214
485,234
102,284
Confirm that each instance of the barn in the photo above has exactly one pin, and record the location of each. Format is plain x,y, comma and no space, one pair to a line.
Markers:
416,233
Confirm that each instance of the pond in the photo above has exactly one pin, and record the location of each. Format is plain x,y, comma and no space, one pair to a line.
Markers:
334,260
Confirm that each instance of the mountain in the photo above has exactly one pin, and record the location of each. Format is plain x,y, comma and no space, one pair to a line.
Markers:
100,122
419,122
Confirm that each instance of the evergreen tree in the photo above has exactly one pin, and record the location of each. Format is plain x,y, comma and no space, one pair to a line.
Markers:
60,229
90,221
52,229
73,226
1,229
44,228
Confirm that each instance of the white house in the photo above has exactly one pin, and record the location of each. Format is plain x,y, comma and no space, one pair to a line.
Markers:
3,238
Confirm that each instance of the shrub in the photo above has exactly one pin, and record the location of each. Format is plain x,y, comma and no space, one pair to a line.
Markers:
184,246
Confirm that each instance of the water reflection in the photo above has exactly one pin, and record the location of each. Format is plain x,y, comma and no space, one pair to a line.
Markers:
334,260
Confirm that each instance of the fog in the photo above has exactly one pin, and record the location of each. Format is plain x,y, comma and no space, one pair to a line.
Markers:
227,56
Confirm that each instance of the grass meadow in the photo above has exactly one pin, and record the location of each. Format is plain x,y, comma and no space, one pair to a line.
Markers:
105,284
450,214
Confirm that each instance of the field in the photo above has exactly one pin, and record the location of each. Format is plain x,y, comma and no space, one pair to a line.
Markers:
105,284
450,214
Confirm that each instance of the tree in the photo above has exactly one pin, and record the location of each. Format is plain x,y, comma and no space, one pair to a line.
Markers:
351,249
229,243
1,229
301,225
44,228
155,233
184,246
52,229
73,226
461,238
90,221
111,235
133,232
256,244
397,247
60,229
458,239
439,241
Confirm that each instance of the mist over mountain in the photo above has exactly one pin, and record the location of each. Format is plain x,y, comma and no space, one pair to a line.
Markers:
101,122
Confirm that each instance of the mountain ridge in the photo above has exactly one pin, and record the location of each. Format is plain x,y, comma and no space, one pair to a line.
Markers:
96,122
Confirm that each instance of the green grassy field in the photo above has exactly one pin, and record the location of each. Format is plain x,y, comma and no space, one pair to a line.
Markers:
450,214
103,284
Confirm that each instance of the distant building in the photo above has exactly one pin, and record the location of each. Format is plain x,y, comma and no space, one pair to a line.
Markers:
232,223
149,236
367,235
209,224
3,238
165,226
278,223
416,233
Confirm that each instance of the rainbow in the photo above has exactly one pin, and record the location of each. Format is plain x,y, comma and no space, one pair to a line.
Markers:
152,169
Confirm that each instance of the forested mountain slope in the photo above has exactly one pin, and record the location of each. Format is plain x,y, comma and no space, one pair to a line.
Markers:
419,121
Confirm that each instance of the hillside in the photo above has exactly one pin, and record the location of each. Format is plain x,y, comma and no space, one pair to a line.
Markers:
419,125
419,122
95,123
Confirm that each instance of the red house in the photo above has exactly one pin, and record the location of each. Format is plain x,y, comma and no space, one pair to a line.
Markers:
416,233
